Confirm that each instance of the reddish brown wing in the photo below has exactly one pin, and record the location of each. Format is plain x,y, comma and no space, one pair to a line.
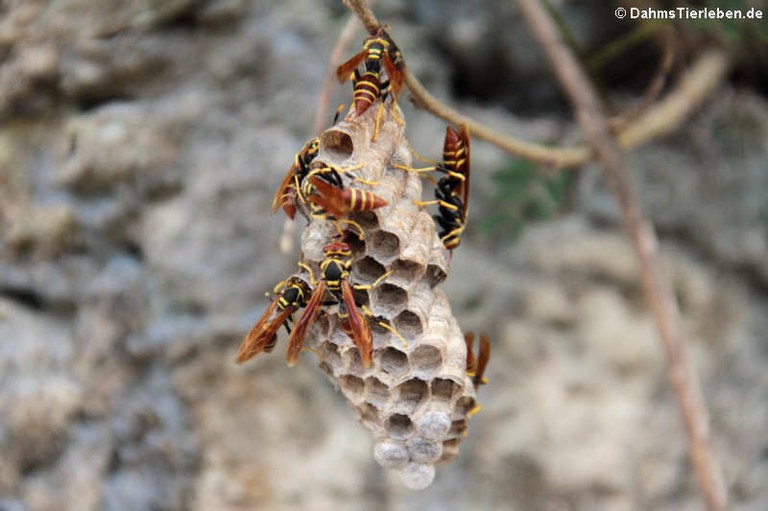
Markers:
395,75
344,71
261,333
469,338
282,190
361,330
482,359
330,198
464,167
296,342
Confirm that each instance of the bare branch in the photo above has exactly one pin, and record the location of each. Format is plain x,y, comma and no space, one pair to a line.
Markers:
658,290
702,78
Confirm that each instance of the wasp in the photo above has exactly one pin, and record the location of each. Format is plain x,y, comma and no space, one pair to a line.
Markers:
452,190
335,270
339,201
290,188
377,49
292,294
476,366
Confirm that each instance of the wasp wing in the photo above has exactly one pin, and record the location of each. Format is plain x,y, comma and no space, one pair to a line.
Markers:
281,195
262,333
482,360
296,342
344,71
463,167
358,325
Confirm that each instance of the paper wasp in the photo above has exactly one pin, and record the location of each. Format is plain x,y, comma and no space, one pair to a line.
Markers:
335,270
290,187
339,201
452,190
368,87
476,366
292,294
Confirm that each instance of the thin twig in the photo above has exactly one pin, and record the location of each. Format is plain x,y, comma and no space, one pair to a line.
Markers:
591,116
656,85
364,13
700,80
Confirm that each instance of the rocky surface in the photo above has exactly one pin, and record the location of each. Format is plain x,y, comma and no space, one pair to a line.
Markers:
140,144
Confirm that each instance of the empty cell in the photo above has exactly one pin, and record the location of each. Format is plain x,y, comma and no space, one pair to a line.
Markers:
326,368
368,270
352,360
384,244
399,426
427,358
352,386
435,275
458,428
376,391
337,143
394,362
329,353
408,324
443,389
412,393
369,416
450,449
390,296
407,271
464,405
356,244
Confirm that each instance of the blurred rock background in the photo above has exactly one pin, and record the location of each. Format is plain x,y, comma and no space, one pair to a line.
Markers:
140,145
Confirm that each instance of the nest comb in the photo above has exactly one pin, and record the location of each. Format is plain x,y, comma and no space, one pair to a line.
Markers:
416,399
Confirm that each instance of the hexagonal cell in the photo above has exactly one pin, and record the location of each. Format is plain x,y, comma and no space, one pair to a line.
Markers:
399,426
394,362
368,269
435,275
417,476
367,220
352,361
329,353
458,428
411,394
408,324
390,296
464,405
390,454
352,387
356,244
384,244
326,368
369,416
450,449
406,271
424,451
427,358
376,392
338,144
433,425
443,389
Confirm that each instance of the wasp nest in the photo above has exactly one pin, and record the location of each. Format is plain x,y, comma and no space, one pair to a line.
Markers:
415,397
